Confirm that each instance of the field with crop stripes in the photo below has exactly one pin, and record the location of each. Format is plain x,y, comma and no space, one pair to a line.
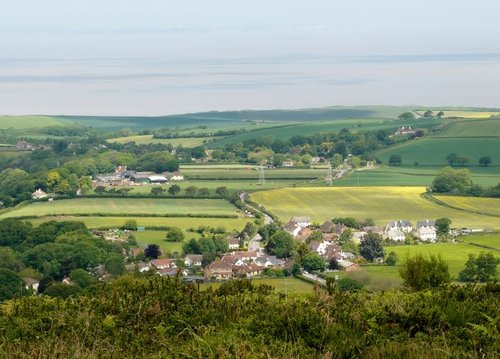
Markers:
382,204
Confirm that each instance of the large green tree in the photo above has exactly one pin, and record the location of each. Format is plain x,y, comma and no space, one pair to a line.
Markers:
11,284
281,244
419,272
481,268
313,261
450,180
371,246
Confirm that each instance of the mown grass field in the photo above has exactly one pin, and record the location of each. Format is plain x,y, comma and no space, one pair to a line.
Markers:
286,285
382,204
130,206
26,122
472,128
455,254
150,222
231,185
158,237
148,139
251,172
433,151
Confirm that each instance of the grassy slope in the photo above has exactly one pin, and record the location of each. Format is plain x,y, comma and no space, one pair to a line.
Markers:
147,139
292,285
28,122
158,237
382,204
125,206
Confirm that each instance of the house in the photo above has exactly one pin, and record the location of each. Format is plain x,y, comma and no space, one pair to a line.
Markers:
248,270
31,283
234,242
292,228
24,146
302,222
219,270
327,227
139,266
288,163
403,225
156,179
351,267
330,237
427,223
164,263
176,176
425,233
247,256
318,247
269,261
39,194
405,130
358,236
395,235
333,251
193,260
233,260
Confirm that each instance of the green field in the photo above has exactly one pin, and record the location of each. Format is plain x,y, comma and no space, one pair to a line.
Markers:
251,172
473,204
130,206
25,122
472,128
382,204
433,151
158,237
287,285
149,222
148,139
412,176
486,240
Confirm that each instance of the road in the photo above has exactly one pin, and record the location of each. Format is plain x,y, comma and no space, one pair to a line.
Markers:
314,278
254,244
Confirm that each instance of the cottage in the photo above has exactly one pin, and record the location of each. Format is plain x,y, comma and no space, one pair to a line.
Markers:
318,247
219,270
288,163
157,179
358,236
193,260
327,227
139,266
333,252
32,284
248,270
233,260
269,261
302,222
395,235
24,146
425,233
39,194
164,263
403,225
330,237
373,229
176,176
234,242
427,223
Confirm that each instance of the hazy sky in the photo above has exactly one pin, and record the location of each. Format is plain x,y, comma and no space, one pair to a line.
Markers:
154,57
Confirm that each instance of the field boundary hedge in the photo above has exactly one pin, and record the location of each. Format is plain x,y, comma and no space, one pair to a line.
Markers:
138,215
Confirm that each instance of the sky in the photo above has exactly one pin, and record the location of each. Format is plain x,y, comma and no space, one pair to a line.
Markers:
158,57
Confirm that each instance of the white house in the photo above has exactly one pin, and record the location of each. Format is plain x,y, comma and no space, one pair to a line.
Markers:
427,223
176,176
426,234
395,235
403,225
38,194
302,222
193,260
234,242
164,263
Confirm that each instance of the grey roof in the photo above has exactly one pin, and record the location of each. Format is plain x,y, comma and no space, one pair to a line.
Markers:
426,223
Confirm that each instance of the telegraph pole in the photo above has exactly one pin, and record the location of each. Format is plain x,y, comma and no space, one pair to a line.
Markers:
329,177
262,178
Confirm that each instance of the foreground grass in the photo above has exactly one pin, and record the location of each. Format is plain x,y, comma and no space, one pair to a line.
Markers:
382,204
139,206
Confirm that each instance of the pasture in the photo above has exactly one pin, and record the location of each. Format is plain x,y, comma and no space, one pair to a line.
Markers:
229,224
382,204
251,172
434,150
286,285
472,128
28,122
129,206
158,237
148,139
